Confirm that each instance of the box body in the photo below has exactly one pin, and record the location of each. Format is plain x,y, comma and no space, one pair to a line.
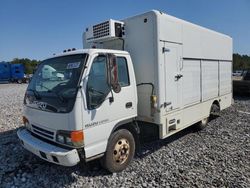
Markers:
190,67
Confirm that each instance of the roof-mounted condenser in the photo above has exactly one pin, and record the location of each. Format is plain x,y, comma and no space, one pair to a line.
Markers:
104,31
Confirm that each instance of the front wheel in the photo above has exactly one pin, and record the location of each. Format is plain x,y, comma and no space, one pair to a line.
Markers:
120,151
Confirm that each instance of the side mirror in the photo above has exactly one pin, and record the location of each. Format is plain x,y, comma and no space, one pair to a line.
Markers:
113,73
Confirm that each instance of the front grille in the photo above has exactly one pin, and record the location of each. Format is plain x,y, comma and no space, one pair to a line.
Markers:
43,132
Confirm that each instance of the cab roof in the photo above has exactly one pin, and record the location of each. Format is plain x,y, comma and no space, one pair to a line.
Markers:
89,51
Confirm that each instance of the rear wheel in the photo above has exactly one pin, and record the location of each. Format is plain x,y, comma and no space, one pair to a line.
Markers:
214,111
120,151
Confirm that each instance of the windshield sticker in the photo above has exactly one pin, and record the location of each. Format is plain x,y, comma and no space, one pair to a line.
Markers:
73,65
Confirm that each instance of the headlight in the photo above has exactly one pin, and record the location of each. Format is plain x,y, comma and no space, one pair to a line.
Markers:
68,141
60,138
72,138
28,99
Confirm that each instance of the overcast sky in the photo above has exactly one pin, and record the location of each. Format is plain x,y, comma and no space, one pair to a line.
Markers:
37,29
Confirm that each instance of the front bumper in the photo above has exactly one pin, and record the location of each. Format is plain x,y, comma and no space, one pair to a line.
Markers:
48,151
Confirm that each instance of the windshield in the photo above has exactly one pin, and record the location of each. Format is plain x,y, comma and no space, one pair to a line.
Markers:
55,83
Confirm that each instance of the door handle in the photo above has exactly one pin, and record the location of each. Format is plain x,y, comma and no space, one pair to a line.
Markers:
178,76
128,105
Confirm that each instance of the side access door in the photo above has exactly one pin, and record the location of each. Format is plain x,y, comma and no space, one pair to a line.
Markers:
172,53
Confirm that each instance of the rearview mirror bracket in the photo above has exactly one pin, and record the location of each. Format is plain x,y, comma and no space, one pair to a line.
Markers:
113,73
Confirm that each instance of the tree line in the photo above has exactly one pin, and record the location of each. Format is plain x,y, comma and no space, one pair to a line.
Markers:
29,65
240,62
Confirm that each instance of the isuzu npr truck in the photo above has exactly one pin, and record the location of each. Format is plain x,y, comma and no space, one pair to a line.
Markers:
151,69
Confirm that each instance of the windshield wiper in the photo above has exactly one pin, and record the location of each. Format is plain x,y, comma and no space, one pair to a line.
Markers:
36,94
60,97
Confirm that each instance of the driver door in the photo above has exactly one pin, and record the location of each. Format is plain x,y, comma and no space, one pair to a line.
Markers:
105,108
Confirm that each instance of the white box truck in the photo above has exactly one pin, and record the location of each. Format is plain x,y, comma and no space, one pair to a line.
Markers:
151,68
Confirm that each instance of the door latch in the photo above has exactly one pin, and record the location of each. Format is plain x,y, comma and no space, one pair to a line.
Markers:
165,104
178,76
128,105
165,50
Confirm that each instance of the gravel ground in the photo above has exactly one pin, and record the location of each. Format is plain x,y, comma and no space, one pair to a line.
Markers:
218,156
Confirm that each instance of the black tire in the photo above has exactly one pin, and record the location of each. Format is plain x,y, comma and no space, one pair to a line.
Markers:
119,140
215,110
19,81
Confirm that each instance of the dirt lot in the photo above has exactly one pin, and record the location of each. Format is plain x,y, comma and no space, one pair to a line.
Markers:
218,156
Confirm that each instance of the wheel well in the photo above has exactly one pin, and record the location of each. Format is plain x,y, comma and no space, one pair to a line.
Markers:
215,109
216,103
133,128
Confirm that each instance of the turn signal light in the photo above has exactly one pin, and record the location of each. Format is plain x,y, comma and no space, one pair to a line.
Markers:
77,136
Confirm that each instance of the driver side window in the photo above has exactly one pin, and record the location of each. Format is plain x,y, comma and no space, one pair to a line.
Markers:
97,87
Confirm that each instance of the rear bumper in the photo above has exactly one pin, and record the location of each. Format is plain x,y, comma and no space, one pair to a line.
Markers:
48,151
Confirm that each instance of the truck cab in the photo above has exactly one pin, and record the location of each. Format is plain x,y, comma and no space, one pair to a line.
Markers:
72,117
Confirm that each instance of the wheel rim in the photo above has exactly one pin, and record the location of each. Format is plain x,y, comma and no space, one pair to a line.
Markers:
121,151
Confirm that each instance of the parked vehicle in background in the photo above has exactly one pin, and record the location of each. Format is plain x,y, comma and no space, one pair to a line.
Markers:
151,69
237,73
12,73
241,83
5,72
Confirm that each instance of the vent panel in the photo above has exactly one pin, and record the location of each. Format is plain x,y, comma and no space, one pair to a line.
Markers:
104,31
101,30
43,132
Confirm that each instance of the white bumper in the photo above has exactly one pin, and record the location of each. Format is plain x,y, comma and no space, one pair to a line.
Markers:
47,151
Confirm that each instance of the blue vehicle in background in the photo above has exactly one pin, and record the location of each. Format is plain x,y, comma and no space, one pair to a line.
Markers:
12,73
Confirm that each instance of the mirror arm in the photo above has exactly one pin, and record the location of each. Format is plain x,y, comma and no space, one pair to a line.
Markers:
111,99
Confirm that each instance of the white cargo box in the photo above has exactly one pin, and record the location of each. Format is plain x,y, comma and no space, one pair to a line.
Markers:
190,67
